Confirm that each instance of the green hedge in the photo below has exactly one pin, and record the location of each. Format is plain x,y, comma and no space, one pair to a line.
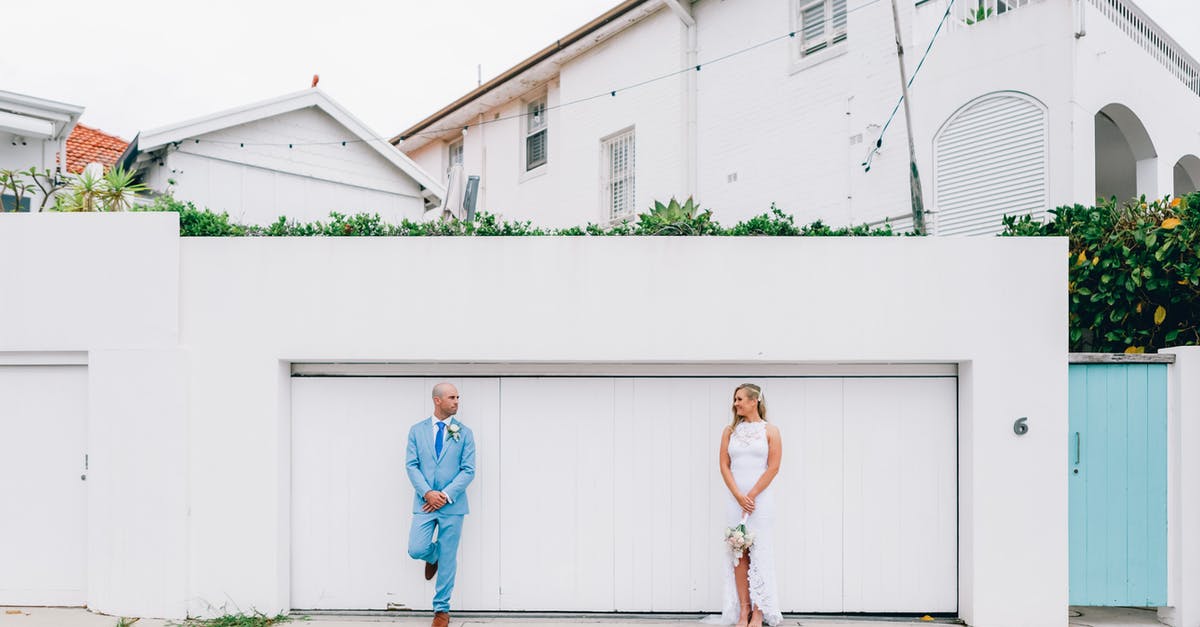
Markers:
671,219
1134,272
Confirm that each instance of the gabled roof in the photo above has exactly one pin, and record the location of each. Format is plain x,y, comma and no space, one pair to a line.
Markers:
90,145
157,138
36,117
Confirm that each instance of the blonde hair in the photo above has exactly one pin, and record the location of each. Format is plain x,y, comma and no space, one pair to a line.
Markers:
755,394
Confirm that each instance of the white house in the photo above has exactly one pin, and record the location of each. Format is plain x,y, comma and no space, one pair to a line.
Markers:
744,104
33,133
300,155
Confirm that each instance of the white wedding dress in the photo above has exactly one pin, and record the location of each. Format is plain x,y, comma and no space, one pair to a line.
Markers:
748,461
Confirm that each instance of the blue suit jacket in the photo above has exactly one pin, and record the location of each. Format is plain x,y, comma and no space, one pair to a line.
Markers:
451,473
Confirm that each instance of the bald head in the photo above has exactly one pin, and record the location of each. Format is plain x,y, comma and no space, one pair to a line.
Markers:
440,390
445,400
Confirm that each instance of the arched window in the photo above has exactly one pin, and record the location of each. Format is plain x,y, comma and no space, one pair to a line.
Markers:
990,159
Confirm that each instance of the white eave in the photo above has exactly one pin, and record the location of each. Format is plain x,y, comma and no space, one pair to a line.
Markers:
158,138
37,118
528,75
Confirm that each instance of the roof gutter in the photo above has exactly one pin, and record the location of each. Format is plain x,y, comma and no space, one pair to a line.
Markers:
538,57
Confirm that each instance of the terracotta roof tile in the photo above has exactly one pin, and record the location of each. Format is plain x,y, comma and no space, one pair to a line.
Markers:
86,145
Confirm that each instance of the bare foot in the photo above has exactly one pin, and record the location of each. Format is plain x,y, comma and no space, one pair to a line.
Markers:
756,619
744,618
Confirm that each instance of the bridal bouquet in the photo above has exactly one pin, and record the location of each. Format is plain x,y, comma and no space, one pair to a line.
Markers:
738,539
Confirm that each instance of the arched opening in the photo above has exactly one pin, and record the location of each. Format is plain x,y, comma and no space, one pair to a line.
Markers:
1125,157
1187,175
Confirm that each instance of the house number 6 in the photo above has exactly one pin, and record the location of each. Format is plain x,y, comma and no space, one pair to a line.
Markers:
1020,427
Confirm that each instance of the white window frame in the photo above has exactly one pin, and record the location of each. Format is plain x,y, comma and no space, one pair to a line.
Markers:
531,125
816,49
612,208
454,154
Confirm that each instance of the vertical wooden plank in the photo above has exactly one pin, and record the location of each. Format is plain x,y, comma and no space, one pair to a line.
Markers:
1156,485
702,479
1095,464
477,585
557,508
720,397
347,451
900,463
809,532
1136,502
1077,477
1117,484
628,565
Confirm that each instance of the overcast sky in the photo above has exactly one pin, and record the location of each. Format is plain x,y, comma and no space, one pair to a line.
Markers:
140,64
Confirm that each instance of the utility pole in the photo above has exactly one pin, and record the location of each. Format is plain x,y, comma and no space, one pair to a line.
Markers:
914,178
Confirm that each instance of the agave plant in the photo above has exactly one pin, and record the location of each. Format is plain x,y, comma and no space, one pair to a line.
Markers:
674,218
979,14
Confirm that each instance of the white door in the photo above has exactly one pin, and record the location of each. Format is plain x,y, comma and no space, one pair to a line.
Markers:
43,500
603,494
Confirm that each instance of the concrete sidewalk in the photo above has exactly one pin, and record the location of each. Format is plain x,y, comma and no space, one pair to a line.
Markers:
74,617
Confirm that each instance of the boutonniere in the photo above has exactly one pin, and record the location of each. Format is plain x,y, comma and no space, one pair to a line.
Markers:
454,431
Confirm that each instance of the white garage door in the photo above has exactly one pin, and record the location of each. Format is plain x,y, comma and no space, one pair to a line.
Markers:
43,506
602,493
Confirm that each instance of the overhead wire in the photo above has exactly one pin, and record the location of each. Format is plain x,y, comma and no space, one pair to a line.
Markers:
611,93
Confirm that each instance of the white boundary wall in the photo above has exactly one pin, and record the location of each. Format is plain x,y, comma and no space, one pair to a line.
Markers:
190,343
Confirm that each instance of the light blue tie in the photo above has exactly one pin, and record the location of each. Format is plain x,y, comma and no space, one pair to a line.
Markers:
437,443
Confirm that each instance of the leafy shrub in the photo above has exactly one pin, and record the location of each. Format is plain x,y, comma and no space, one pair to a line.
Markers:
195,222
1134,272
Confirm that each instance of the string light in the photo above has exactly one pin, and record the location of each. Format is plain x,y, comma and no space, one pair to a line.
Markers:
611,93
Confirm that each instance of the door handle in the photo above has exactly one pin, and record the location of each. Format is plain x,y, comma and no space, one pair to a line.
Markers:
1076,448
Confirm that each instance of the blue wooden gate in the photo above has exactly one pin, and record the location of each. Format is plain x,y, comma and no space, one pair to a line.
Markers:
1118,484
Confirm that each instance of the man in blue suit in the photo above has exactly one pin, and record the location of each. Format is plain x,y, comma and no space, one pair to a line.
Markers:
441,463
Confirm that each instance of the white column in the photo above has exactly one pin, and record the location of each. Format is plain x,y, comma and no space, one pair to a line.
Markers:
1149,183
1183,490
1083,162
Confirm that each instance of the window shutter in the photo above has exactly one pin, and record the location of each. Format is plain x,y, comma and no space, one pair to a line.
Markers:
990,160
812,19
535,150
839,18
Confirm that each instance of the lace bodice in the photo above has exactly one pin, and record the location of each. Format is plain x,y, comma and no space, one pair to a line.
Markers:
748,453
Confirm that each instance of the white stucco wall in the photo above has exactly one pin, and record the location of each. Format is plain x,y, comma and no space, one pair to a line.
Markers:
107,286
265,179
219,389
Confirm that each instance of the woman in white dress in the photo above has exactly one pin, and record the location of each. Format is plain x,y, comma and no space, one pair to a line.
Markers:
750,454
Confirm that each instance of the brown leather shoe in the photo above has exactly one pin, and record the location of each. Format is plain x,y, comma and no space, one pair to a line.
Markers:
441,619
430,571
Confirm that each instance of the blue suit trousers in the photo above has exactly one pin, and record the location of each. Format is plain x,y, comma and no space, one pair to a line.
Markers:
444,551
